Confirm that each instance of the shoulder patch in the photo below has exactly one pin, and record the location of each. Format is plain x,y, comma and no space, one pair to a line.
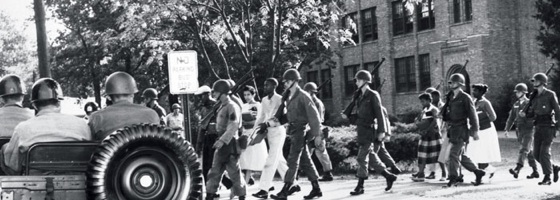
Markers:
232,116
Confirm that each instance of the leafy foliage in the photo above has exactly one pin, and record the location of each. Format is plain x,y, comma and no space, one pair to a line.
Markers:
548,13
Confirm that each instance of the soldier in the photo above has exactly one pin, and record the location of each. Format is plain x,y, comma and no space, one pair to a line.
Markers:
301,112
121,88
323,156
524,132
11,94
276,135
542,104
226,155
175,120
150,96
48,125
207,136
457,111
369,139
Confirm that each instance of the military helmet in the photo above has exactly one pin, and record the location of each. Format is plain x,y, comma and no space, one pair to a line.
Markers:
310,87
521,87
221,86
120,83
363,75
176,106
150,93
457,78
430,90
11,85
291,74
46,89
541,77
91,107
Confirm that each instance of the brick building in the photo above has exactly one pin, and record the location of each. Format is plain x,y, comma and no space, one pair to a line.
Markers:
423,46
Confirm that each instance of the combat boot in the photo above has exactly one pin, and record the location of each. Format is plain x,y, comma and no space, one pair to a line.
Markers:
515,172
390,178
546,180
327,177
283,194
359,188
315,192
555,169
533,175
479,174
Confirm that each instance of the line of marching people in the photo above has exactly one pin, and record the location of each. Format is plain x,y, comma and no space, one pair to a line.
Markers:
460,132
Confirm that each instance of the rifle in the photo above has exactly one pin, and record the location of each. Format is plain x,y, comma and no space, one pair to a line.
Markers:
324,83
381,85
464,66
243,80
348,110
534,94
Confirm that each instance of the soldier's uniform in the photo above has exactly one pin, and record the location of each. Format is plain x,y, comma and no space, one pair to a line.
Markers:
524,131
152,94
323,155
123,113
543,104
457,112
11,114
48,126
226,158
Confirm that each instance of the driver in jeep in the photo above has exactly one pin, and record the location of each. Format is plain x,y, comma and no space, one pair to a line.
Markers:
121,88
49,125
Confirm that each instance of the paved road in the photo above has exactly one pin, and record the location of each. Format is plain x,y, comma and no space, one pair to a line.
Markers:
502,186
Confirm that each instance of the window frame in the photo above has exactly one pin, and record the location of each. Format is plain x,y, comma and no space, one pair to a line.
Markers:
403,20
405,66
468,10
326,91
428,22
369,27
315,76
424,70
456,11
376,78
355,33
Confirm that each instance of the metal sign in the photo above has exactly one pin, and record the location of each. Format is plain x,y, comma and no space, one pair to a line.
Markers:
183,72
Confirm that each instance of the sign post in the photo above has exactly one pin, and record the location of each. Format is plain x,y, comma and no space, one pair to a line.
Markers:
183,80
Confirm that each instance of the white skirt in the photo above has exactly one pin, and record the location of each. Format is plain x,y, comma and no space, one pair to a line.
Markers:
254,157
487,148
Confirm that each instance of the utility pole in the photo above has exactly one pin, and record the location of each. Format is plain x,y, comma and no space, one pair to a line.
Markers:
44,70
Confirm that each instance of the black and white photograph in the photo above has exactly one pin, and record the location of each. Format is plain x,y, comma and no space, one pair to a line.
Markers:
279,99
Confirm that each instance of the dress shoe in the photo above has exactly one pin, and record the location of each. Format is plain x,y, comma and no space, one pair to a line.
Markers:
271,189
357,191
261,194
327,177
431,176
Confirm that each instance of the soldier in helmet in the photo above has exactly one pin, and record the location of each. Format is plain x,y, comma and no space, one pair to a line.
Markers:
524,131
457,112
541,107
323,156
11,95
370,109
121,88
90,108
49,125
150,96
176,119
301,112
227,150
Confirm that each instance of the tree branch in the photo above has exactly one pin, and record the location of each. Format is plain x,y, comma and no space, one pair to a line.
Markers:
230,30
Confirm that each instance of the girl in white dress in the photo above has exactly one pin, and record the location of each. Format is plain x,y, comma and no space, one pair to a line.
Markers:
254,157
487,148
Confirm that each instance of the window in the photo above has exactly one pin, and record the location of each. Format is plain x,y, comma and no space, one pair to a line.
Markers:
312,76
405,74
468,10
456,11
467,5
426,19
369,25
402,17
349,72
376,80
349,23
326,91
424,68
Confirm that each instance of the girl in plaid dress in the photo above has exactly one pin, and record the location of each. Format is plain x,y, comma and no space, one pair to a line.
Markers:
430,141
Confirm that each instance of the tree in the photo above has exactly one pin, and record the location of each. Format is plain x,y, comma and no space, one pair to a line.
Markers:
17,55
548,13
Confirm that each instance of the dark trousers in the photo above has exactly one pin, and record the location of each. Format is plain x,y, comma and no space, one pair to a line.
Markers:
208,157
299,154
367,154
542,146
525,139
225,159
457,155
